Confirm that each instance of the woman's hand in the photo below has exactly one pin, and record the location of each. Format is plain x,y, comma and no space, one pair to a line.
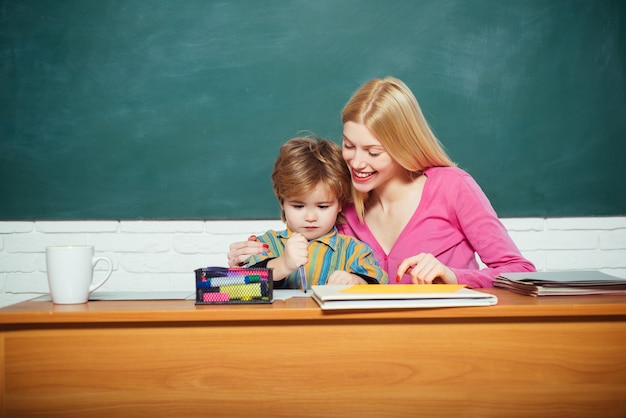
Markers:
343,277
239,252
426,269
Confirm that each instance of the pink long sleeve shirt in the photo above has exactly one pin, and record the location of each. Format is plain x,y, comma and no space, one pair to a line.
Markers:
454,221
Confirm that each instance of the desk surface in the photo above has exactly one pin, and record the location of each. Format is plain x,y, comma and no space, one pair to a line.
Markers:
510,305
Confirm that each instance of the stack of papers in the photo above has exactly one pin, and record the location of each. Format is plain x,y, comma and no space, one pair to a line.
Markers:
398,296
561,283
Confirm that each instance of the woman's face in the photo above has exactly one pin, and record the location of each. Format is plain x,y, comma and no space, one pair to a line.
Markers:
369,163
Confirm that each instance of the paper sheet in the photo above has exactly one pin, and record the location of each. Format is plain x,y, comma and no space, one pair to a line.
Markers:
284,294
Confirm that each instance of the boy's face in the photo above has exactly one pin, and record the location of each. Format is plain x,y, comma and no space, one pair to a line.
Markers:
313,214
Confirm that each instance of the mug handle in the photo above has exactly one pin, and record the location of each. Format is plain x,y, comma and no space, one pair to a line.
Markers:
95,261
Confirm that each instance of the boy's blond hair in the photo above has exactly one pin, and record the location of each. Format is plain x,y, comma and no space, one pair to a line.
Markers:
305,162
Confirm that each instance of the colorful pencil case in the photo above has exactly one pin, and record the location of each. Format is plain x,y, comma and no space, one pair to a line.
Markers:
225,285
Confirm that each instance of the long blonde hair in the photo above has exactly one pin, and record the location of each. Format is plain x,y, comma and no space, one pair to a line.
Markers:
390,111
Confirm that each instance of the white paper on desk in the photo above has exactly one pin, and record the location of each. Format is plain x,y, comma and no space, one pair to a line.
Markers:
284,294
156,295
163,295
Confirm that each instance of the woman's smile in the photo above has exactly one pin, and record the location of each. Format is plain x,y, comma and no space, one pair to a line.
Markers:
362,176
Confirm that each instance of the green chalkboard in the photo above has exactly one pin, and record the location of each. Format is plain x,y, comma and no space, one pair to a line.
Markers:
165,109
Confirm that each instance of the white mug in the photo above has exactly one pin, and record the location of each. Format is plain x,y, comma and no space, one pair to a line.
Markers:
70,273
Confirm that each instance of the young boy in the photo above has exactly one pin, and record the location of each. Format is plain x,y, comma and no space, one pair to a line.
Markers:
312,183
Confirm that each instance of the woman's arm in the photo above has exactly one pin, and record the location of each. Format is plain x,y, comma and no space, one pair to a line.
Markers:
487,235
240,252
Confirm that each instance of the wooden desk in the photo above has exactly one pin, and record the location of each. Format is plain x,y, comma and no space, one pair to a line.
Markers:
547,357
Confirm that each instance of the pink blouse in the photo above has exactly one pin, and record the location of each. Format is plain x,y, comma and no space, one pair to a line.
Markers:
453,222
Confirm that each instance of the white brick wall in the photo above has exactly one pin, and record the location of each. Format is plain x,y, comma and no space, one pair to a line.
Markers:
161,255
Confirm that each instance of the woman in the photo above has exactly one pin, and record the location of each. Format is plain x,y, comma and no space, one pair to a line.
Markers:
425,218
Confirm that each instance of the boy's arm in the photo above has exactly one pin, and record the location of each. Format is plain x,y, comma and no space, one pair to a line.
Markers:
366,266
264,264
361,267
279,267
293,255
279,270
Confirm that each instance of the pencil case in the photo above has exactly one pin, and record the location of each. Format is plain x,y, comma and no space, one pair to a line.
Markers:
226,285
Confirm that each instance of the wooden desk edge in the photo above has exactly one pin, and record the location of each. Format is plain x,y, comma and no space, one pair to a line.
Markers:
510,305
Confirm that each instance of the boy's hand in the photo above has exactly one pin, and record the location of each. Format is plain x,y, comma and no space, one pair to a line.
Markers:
343,277
296,251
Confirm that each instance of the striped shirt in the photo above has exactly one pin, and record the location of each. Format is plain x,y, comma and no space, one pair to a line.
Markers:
327,254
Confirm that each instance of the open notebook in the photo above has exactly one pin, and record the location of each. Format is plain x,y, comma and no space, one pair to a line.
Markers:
398,296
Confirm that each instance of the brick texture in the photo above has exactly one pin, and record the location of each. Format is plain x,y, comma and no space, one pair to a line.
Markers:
161,255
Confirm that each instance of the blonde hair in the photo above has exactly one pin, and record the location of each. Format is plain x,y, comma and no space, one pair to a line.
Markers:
303,163
390,111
